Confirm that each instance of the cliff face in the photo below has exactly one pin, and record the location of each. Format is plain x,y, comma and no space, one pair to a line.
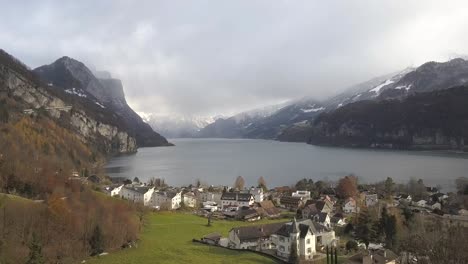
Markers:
73,76
89,126
434,120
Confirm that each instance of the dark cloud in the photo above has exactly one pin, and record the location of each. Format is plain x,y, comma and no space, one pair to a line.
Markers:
209,57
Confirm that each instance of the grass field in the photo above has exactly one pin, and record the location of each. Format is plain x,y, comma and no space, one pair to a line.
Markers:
167,238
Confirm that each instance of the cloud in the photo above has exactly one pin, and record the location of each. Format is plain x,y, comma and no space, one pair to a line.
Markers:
213,57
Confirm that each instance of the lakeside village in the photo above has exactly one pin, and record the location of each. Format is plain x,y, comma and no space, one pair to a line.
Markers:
311,220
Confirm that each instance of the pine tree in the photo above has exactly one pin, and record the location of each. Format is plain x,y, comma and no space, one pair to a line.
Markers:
96,241
35,251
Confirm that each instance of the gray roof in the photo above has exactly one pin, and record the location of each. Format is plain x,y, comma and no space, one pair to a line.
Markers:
253,233
234,196
141,190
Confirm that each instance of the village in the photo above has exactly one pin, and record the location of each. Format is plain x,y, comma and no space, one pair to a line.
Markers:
307,222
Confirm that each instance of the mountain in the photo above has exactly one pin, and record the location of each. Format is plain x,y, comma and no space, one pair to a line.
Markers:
177,126
430,120
431,76
241,125
295,114
76,79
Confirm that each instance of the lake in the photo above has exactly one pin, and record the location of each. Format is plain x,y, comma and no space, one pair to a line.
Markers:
220,161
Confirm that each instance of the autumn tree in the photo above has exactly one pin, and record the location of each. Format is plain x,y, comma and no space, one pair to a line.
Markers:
347,187
239,183
35,251
262,183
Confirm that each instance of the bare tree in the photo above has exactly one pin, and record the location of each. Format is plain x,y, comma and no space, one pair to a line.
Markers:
239,183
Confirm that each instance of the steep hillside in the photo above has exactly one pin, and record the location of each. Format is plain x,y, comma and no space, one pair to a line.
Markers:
75,78
72,108
432,120
46,137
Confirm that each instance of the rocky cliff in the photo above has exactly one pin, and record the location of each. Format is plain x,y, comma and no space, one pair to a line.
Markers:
75,78
93,124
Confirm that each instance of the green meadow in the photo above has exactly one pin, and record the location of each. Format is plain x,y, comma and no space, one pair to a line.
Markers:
167,238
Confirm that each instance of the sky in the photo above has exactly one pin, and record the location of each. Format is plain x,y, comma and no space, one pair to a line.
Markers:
223,57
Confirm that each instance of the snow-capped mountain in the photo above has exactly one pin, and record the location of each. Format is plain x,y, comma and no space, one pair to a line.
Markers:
240,125
177,126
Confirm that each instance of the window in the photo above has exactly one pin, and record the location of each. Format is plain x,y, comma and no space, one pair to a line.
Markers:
281,248
309,250
281,239
308,241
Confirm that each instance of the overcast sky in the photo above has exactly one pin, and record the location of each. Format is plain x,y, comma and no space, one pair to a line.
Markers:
221,57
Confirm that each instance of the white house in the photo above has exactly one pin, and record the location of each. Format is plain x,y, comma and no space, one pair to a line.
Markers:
190,200
131,193
210,206
116,191
163,200
304,194
322,218
421,203
258,194
235,199
297,235
350,206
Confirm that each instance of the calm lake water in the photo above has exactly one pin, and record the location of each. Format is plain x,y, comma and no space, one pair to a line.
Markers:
220,161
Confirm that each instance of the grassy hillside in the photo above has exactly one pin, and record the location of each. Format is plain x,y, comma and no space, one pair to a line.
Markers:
167,238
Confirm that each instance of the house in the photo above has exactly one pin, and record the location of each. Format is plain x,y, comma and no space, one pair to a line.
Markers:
256,237
291,202
281,237
210,196
249,215
297,235
371,199
258,194
322,218
404,198
439,197
338,220
350,206
169,200
210,206
236,199
304,194
380,256
421,203
212,239
116,191
131,193
433,205
314,207
190,200
268,209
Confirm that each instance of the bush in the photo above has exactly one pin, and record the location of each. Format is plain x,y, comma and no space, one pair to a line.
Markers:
351,245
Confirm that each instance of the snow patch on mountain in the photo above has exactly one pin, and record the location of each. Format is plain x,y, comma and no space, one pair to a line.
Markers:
380,86
77,92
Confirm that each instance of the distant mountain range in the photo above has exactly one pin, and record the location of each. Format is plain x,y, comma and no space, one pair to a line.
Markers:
296,121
